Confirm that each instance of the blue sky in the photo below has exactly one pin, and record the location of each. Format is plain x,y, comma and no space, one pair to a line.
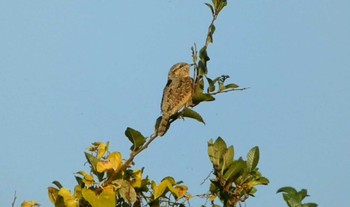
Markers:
76,72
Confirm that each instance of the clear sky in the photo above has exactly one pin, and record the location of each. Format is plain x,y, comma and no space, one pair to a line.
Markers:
76,72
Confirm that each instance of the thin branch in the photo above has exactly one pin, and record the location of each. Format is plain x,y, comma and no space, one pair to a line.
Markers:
205,179
228,90
14,200
134,153
129,161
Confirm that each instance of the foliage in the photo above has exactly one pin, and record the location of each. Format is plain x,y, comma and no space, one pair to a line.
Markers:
294,198
29,204
235,180
112,180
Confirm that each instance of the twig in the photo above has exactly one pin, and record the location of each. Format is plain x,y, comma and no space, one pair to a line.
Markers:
14,200
228,90
205,179
129,161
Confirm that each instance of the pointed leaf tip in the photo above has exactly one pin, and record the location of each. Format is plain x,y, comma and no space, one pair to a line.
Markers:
253,158
189,113
211,8
135,137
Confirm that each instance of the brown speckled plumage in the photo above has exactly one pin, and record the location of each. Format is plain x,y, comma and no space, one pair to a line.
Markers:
177,93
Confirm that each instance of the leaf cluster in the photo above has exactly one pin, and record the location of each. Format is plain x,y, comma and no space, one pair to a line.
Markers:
294,198
235,179
112,184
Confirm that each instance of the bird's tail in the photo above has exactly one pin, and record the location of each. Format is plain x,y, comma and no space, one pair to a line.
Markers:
163,125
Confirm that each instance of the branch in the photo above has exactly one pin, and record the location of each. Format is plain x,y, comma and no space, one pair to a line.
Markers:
205,179
228,90
14,200
129,161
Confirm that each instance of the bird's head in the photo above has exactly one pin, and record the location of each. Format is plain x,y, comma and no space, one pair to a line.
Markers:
179,70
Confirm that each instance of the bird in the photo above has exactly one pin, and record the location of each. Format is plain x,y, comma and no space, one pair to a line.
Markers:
177,94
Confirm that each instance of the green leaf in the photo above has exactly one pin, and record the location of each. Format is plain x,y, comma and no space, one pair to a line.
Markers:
291,196
211,153
309,205
220,6
202,68
215,2
200,97
263,181
253,158
211,87
235,169
287,189
210,7
199,86
211,31
79,181
135,137
290,200
252,192
302,194
92,160
58,184
228,157
220,145
203,55
259,181
217,152
189,113
231,86
213,188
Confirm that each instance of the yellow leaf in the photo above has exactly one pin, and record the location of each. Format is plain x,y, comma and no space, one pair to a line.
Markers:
53,193
103,166
105,199
160,189
77,192
112,163
102,149
252,184
212,197
94,147
88,178
69,199
29,204
137,182
116,159
181,190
